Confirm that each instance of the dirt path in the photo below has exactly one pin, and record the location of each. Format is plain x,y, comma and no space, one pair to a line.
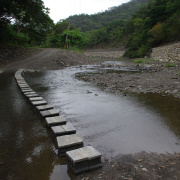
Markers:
50,59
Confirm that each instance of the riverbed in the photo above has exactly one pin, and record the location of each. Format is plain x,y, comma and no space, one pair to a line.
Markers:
112,123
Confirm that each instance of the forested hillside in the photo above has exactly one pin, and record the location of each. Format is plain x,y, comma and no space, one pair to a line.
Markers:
155,24
138,25
91,22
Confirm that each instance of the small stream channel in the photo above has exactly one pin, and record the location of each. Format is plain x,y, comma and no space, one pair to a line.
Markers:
113,124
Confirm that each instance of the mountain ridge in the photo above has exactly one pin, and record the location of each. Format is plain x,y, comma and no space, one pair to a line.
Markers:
99,20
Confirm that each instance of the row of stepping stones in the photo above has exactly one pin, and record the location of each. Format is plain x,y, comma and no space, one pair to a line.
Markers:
79,158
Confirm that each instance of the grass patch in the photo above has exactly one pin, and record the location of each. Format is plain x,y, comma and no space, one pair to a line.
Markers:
169,64
138,61
76,49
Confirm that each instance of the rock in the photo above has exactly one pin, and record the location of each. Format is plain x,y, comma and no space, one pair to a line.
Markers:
175,91
144,169
85,178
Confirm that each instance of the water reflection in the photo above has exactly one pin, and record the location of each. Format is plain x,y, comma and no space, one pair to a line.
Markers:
167,106
26,147
111,123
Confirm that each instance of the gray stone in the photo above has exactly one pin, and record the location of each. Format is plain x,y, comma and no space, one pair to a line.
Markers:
36,99
28,93
31,95
26,90
57,120
24,86
19,77
68,142
37,103
23,83
84,159
50,113
44,107
63,129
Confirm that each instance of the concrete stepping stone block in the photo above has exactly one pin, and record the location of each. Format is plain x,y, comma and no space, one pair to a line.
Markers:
44,107
31,95
50,113
54,121
22,83
84,159
36,99
37,103
27,90
24,87
19,77
28,93
68,142
66,129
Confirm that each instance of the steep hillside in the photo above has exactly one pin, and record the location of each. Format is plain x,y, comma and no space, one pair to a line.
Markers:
91,22
156,24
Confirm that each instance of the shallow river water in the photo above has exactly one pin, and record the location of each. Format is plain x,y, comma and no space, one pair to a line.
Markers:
113,124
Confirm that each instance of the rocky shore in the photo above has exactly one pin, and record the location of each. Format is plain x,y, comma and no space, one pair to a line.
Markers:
155,77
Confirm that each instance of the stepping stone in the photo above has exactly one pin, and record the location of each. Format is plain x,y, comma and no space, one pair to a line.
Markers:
31,95
19,77
21,83
44,107
37,103
36,99
27,90
28,93
57,120
84,159
66,129
68,142
50,113
24,86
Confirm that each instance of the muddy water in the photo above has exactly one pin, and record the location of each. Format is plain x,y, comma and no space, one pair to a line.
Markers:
113,124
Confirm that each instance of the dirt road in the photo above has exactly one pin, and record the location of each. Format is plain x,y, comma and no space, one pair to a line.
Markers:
50,59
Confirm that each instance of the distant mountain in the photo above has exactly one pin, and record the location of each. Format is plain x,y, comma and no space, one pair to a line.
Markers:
91,22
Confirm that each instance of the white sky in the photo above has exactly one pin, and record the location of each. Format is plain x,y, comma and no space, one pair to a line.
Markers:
62,9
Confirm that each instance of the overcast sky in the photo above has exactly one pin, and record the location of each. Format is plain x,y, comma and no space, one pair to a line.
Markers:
62,9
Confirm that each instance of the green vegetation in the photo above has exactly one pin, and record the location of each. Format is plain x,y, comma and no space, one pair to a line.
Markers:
138,25
154,24
76,49
138,61
147,60
169,64
24,22
57,36
100,20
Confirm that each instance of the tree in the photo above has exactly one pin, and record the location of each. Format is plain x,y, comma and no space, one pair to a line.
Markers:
27,16
75,38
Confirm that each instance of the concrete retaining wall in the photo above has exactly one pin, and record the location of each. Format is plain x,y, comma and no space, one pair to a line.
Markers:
167,53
